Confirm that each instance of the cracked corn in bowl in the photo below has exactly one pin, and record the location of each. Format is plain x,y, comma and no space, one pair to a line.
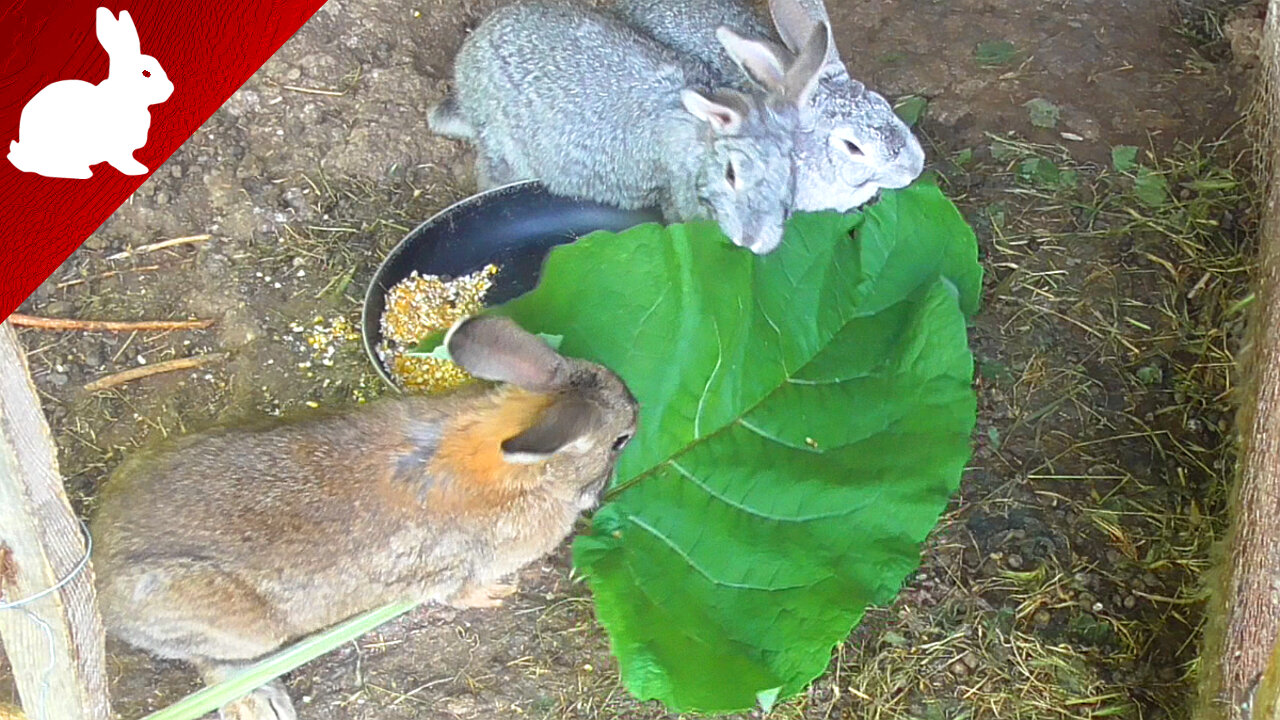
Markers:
421,305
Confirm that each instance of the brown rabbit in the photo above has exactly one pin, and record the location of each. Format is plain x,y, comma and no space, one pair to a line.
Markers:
226,545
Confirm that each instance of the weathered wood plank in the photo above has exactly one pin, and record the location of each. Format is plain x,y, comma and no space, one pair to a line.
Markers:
55,644
1239,675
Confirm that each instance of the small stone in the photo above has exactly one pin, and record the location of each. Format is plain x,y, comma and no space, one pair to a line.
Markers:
293,74
162,198
460,706
1130,602
176,171
58,379
59,308
1014,562
1042,618
1245,36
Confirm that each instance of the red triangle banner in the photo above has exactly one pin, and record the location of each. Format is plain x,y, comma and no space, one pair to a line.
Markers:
52,128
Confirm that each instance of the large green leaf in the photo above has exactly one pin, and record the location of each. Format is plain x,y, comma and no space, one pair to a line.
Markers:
804,418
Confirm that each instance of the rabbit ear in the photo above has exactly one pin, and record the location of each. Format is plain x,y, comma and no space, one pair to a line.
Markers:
802,76
795,21
760,60
720,112
105,26
563,426
492,347
118,37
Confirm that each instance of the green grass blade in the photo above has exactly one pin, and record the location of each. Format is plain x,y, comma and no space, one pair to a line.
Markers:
195,705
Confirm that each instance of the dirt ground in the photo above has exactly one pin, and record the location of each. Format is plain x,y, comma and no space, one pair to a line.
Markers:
1065,581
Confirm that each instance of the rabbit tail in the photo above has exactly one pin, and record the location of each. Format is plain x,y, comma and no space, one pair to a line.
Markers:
16,156
445,118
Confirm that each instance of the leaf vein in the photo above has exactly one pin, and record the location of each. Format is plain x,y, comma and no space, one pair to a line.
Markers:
706,389
661,296
765,314
774,438
698,568
753,511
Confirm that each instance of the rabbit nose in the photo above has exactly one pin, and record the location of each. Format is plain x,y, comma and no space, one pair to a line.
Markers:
762,242
911,158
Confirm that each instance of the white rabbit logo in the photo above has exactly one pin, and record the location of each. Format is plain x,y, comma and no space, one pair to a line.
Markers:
71,125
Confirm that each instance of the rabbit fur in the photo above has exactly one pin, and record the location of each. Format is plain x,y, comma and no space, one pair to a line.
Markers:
71,125
226,545
853,143
597,110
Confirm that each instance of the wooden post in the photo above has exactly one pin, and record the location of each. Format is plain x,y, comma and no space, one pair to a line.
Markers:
54,643
1240,658
1266,699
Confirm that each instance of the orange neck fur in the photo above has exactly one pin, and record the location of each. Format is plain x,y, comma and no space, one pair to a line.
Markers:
470,454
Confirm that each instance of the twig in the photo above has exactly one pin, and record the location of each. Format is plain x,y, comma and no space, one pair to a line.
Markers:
147,370
104,276
44,323
160,246
314,91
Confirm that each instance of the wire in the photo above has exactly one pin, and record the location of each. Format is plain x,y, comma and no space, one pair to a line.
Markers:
46,677
79,568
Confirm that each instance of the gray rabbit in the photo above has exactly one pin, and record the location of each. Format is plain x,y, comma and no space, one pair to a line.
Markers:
226,545
595,109
857,145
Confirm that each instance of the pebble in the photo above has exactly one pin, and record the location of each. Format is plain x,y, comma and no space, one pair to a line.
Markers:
58,379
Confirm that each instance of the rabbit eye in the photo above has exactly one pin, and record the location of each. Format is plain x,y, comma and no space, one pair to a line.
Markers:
146,73
621,442
730,174
853,148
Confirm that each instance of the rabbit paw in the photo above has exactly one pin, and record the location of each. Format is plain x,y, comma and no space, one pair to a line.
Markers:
483,596
269,702
129,166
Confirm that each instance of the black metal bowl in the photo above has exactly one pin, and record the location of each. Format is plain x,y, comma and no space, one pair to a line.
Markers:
513,227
